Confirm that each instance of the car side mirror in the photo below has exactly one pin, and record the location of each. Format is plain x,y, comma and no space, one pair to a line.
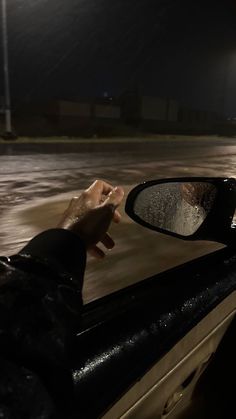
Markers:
187,208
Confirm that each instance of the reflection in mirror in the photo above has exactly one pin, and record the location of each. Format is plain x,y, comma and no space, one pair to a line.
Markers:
177,207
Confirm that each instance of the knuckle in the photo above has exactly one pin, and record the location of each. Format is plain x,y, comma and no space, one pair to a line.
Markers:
84,194
98,182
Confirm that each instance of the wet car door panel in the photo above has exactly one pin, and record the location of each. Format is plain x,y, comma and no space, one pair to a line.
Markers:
123,335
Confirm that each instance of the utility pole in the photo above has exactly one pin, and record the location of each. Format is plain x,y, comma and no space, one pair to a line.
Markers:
7,96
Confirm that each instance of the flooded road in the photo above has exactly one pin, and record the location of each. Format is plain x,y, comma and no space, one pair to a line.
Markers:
37,182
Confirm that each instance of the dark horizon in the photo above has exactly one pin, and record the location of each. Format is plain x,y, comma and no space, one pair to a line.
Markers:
167,48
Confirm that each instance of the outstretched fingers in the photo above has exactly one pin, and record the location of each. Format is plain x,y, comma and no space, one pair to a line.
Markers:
98,190
107,241
117,217
96,252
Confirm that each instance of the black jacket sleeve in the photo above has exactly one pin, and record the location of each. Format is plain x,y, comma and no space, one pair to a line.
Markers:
40,307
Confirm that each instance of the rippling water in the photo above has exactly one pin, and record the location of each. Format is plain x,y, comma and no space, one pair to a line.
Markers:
35,189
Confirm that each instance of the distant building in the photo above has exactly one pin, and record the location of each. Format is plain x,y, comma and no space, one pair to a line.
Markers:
197,118
62,108
102,109
137,108
153,108
81,117
173,110
110,116
107,111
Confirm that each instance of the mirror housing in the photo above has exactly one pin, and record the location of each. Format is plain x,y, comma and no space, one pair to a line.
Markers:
143,206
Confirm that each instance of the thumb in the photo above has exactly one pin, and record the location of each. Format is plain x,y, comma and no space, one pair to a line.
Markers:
115,197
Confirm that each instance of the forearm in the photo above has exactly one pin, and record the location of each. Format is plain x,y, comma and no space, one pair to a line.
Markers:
61,250
40,306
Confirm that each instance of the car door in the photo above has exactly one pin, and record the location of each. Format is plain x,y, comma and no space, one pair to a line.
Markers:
140,352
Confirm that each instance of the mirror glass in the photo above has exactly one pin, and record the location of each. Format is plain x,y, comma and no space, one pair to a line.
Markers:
177,207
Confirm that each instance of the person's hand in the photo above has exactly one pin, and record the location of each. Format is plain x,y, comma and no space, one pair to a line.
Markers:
90,215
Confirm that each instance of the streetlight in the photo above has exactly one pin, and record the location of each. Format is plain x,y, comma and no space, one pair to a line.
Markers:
7,96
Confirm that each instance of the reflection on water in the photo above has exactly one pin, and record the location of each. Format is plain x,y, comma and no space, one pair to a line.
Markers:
35,189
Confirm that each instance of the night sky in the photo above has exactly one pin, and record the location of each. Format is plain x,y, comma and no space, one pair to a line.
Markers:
185,50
